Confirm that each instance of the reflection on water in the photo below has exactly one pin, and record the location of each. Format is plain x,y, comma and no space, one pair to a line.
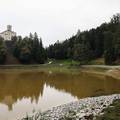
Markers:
23,92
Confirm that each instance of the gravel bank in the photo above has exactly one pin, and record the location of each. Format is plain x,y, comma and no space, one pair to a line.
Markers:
84,109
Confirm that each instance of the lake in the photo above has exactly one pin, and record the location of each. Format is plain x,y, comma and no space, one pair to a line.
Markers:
25,92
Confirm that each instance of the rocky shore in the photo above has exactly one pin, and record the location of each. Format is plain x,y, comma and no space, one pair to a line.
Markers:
84,109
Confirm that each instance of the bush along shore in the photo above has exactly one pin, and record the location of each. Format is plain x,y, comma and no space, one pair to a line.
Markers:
91,108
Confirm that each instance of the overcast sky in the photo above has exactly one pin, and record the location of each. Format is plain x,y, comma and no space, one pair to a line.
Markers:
55,19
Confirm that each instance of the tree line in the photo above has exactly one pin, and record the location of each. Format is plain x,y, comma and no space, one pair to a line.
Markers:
27,50
103,41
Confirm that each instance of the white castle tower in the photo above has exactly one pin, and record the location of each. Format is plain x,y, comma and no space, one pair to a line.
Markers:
8,34
9,27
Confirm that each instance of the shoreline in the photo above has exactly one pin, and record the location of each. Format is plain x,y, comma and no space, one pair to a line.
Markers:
41,66
105,70
84,109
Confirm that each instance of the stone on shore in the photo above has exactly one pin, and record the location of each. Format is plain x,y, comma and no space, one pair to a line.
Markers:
84,109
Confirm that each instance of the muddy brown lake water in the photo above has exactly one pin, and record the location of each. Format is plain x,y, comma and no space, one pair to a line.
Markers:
24,92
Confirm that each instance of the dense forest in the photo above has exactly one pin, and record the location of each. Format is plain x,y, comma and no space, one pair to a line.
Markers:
100,42
104,41
27,50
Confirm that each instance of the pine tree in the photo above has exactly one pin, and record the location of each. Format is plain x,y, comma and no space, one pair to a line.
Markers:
2,51
109,49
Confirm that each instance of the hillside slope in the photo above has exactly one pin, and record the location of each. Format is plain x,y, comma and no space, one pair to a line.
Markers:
10,59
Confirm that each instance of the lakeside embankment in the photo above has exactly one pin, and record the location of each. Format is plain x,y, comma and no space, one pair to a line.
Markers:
112,71
84,109
39,68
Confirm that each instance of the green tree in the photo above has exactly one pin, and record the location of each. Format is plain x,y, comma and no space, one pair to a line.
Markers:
35,46
109,49
25,51
2,51
117,43
115,19
82,53
25,55
41,54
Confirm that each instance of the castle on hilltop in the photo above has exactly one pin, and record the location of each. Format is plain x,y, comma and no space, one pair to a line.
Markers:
8,34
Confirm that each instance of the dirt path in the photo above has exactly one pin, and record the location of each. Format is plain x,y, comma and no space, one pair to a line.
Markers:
101,66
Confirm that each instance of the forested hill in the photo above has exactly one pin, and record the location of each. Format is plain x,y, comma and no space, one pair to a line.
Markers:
104,41
85,46
27,50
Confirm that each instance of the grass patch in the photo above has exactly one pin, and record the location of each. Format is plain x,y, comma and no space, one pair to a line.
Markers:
66,62
99,61
55,66
40,68
112,112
